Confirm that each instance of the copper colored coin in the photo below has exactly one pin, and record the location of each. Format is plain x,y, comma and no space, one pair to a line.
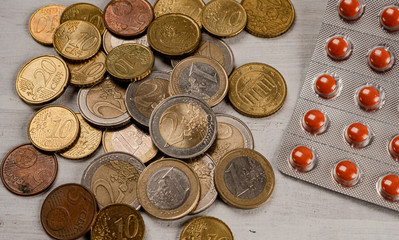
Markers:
128,18
68,212
27,171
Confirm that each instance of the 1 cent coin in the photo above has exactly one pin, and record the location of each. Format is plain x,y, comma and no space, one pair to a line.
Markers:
206,227
27,171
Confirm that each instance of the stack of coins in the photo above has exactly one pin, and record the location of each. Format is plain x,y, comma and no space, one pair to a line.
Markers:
166,150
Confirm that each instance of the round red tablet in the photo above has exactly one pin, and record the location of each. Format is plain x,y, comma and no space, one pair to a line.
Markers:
357,135
394,147
338,48
389,18
326,86
314,121
380,59
302,158
350,9
389,187
369,97
346,173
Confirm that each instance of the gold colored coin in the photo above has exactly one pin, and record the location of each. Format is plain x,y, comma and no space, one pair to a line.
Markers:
88,141
191,8
53,128
77,40
42,79
168,189
224,18
244,178
132,140
43,23
130,62
174,35
85,12
89,72
257,90
206,228
120,222
269,18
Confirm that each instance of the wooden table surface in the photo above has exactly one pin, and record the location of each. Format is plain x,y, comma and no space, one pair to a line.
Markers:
296,210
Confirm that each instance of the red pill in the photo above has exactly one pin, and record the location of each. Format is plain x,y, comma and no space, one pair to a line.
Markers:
369,98
346,173
389,18
326,86
302,158
379,59
349,9
337,48
389,187
314,121
357,135
394,147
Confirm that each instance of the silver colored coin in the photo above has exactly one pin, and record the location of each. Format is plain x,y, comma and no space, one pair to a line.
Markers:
103,105
114,174
204,167
143,96
213,48
111,41
183,126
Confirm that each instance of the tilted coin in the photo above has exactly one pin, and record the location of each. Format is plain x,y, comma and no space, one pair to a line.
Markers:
103,105
244,178
232,134
53,128
112,177
86,12
200,77
68,212
206,227
89,72
43,23
174,35
128,18
118,221
130,62
132,140
224,18
42,79
183,126
191,8
27,171
268,18
168,189
257,90
111,41
215,49
204,167
77,40
143,96
88,141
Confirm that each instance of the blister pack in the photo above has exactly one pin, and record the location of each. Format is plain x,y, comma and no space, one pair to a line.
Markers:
343,134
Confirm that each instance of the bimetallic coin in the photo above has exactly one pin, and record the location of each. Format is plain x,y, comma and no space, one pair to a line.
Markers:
128,18
232,134
215,49
77,40
53,128
206,227
224,18
103,105
174,35
85,12
42,79
183,126
200,77
143,96
111,41
112,177
68,212
130,62
88,141
244,178
191,8
204,167
168,189
268,18
118,221
257,90
89,72
26,171
43,23
132,140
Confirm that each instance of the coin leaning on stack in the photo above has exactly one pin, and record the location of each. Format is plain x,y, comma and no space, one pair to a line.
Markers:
162,119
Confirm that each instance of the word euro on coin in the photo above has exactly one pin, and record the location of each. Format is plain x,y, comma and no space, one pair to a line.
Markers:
85,12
